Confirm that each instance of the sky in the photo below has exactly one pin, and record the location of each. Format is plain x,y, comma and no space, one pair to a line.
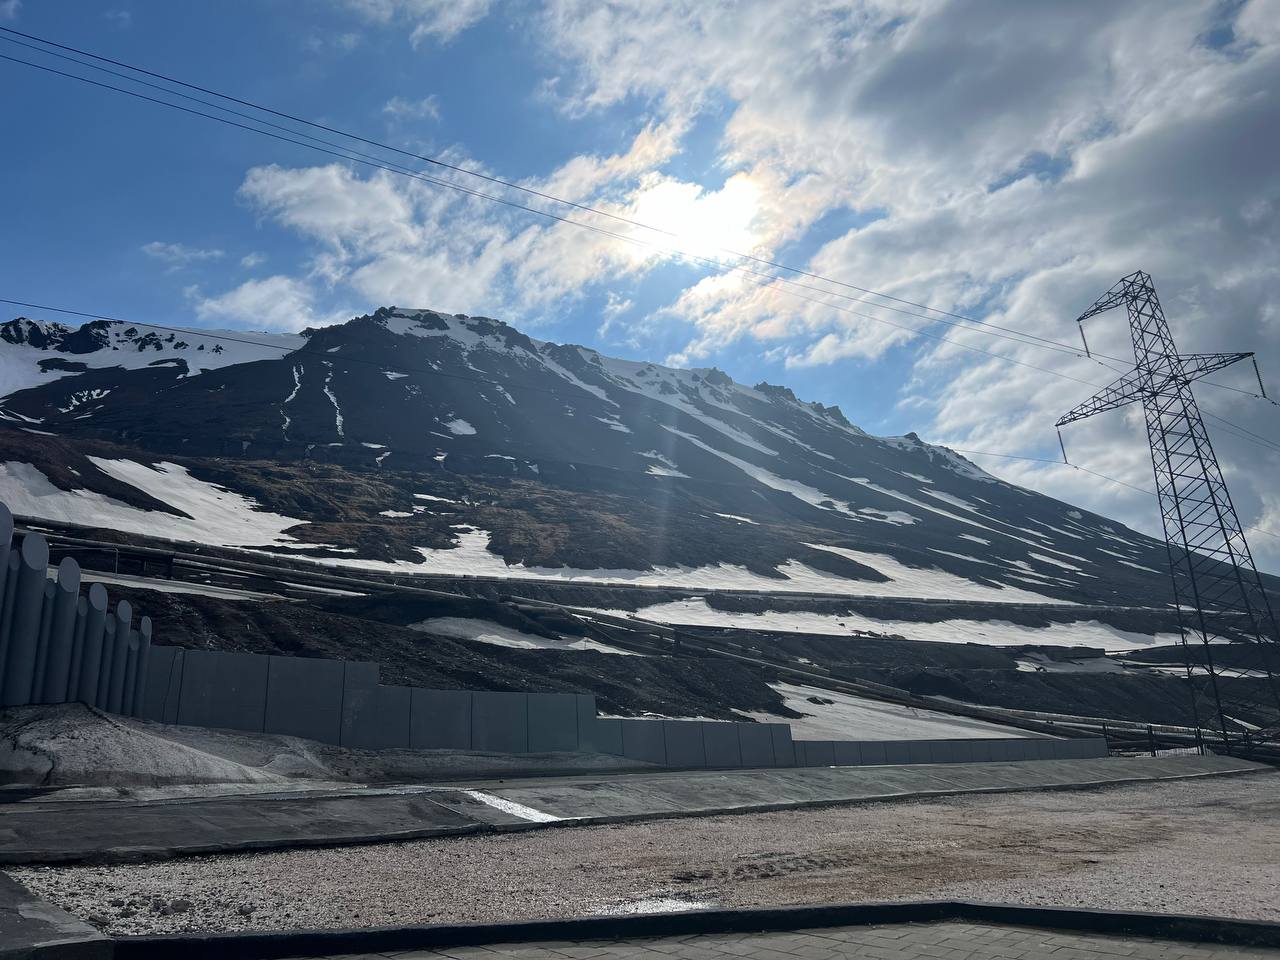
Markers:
1002,161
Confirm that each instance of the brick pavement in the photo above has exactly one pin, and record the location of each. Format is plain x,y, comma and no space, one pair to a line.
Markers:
934,941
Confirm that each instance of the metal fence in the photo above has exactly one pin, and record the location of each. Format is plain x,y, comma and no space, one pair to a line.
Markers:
57,646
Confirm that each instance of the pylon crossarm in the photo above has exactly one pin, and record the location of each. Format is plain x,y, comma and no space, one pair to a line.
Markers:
1119,393
1113,298
1197,365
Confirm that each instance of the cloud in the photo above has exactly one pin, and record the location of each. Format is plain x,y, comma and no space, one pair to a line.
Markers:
121,19
399,240
274,303
9,9
251,260
1023,157
178,255
1003,161
438,20
426,108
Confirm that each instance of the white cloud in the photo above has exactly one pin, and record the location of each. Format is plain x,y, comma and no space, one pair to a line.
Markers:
178,255
1008,161
426,108
1122,136
118,18
9,9
274,303
251,260
439,20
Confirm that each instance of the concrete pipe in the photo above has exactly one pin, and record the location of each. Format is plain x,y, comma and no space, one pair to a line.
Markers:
144,666
24,629
57,667
91,659
119,656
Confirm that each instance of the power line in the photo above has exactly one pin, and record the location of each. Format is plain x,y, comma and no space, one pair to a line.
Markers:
343,152
1076,466
1056,344
352,155
768,280
336,358
531,387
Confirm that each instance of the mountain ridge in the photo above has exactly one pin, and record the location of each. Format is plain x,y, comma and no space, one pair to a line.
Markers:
552,456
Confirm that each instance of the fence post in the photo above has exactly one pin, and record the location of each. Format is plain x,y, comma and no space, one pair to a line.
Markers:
42,642
102,696
1151,738
6,611
6,542
57,666
77,649
134,649
144,658
24,629
119,657
91,660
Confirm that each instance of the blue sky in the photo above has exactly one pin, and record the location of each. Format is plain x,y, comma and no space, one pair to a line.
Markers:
116,175
1004,164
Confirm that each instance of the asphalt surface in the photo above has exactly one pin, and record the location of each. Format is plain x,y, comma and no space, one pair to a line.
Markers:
40,830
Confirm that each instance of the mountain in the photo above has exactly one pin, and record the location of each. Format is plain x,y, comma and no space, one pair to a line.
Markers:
462,445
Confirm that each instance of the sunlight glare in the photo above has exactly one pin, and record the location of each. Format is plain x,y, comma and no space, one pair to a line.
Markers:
705,224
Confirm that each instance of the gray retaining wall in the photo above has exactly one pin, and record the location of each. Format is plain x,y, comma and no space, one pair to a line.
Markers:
341,702
848,753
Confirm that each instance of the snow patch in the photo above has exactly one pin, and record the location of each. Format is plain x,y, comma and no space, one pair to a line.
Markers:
218,516
486,631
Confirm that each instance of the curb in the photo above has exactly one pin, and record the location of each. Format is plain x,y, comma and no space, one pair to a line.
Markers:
320,943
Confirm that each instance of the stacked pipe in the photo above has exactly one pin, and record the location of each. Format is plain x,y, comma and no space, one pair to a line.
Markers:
57,646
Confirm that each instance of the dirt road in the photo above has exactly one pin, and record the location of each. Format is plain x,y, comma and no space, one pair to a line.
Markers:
1203,846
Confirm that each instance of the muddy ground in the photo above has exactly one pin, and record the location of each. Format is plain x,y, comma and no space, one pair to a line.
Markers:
1208,846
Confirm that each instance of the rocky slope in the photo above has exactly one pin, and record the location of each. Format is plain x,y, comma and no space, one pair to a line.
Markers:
461,445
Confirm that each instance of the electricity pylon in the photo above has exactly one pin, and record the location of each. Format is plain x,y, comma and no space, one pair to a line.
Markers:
1217,590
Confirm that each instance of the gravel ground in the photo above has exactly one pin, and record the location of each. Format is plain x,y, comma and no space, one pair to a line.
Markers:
1208,846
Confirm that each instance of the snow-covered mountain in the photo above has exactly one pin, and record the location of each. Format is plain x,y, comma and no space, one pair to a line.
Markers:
550,456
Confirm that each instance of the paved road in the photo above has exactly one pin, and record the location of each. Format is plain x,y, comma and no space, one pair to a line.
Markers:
40,830
934,941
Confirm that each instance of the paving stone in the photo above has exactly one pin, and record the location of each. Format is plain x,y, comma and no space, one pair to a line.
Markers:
940,941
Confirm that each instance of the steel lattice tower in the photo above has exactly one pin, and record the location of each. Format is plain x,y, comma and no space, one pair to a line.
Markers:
1216,587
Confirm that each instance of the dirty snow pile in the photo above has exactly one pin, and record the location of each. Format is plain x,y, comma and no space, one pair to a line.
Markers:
829,715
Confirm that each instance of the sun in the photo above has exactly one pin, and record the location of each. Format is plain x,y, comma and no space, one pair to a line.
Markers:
703,223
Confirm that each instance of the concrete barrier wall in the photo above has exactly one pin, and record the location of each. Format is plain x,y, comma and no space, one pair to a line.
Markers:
342,702
57,646
845,753
695,744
